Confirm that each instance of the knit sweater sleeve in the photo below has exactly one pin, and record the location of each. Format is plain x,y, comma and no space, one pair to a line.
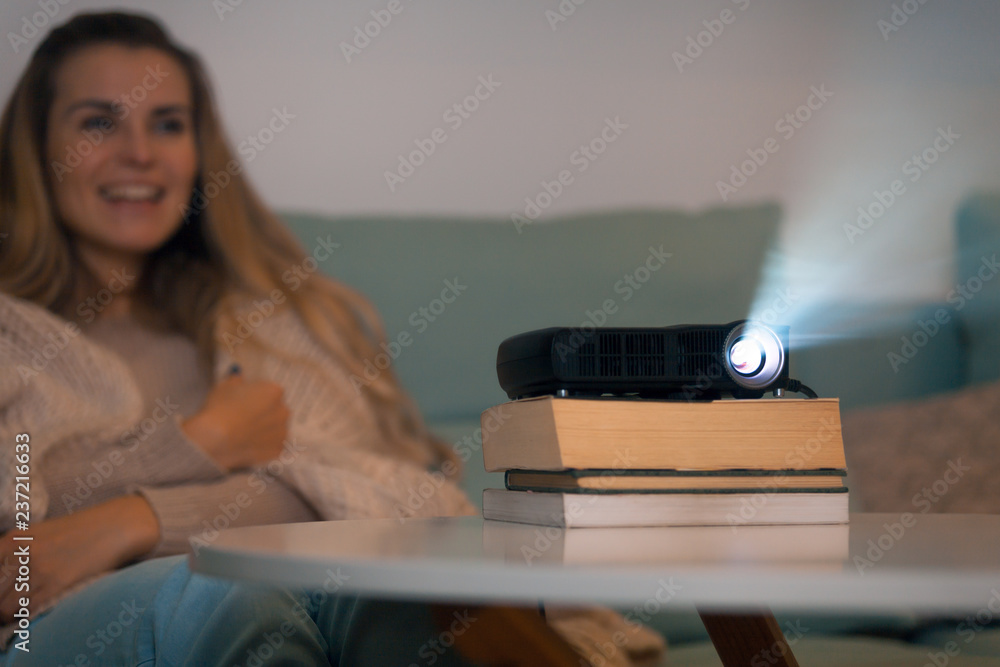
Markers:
191,515
297,487
87,470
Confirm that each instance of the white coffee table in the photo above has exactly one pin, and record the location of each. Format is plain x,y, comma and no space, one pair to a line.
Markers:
924,562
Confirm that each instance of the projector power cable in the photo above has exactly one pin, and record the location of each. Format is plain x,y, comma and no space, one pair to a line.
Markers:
799,388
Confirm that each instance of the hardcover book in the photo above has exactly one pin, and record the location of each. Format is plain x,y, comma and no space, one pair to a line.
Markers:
549,433
704,508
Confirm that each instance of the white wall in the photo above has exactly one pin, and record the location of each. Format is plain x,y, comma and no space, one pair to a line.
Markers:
686,129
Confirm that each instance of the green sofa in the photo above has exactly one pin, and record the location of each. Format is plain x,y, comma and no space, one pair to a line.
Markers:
450,290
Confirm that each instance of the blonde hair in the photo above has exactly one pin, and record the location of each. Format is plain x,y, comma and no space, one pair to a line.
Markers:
229,247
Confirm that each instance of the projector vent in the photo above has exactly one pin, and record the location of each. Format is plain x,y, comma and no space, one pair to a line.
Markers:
698,352
644,355
614,355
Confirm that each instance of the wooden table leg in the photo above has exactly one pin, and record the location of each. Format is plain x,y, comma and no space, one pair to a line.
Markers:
520,637
513,636
739,638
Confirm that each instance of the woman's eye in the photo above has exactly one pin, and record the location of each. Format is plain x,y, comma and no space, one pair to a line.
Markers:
101,123
171,126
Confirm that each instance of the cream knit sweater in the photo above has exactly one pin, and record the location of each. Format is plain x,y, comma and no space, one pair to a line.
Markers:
74,397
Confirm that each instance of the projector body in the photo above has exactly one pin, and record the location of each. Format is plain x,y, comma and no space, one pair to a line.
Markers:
742,359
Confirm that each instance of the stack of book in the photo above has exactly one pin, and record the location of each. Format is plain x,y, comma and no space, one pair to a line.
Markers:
592,462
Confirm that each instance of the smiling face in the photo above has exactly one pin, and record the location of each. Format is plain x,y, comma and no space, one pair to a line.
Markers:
121,152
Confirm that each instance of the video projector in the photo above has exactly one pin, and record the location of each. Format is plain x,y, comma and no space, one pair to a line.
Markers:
743,359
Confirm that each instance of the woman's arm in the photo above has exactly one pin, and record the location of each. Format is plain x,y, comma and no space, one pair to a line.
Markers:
71,549
200,511
242,424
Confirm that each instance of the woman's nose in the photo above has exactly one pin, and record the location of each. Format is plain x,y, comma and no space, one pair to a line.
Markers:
136,148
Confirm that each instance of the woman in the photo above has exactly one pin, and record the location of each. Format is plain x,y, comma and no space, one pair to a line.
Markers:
148,405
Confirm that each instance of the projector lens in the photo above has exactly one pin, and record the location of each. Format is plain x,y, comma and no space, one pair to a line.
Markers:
747,356
754,355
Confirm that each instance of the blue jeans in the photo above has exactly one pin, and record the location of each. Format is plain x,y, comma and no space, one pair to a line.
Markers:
159,613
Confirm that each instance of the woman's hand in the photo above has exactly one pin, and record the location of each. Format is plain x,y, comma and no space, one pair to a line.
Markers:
73,548
243,423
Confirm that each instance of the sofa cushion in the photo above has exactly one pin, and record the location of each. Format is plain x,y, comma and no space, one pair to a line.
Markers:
976,294
932,455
